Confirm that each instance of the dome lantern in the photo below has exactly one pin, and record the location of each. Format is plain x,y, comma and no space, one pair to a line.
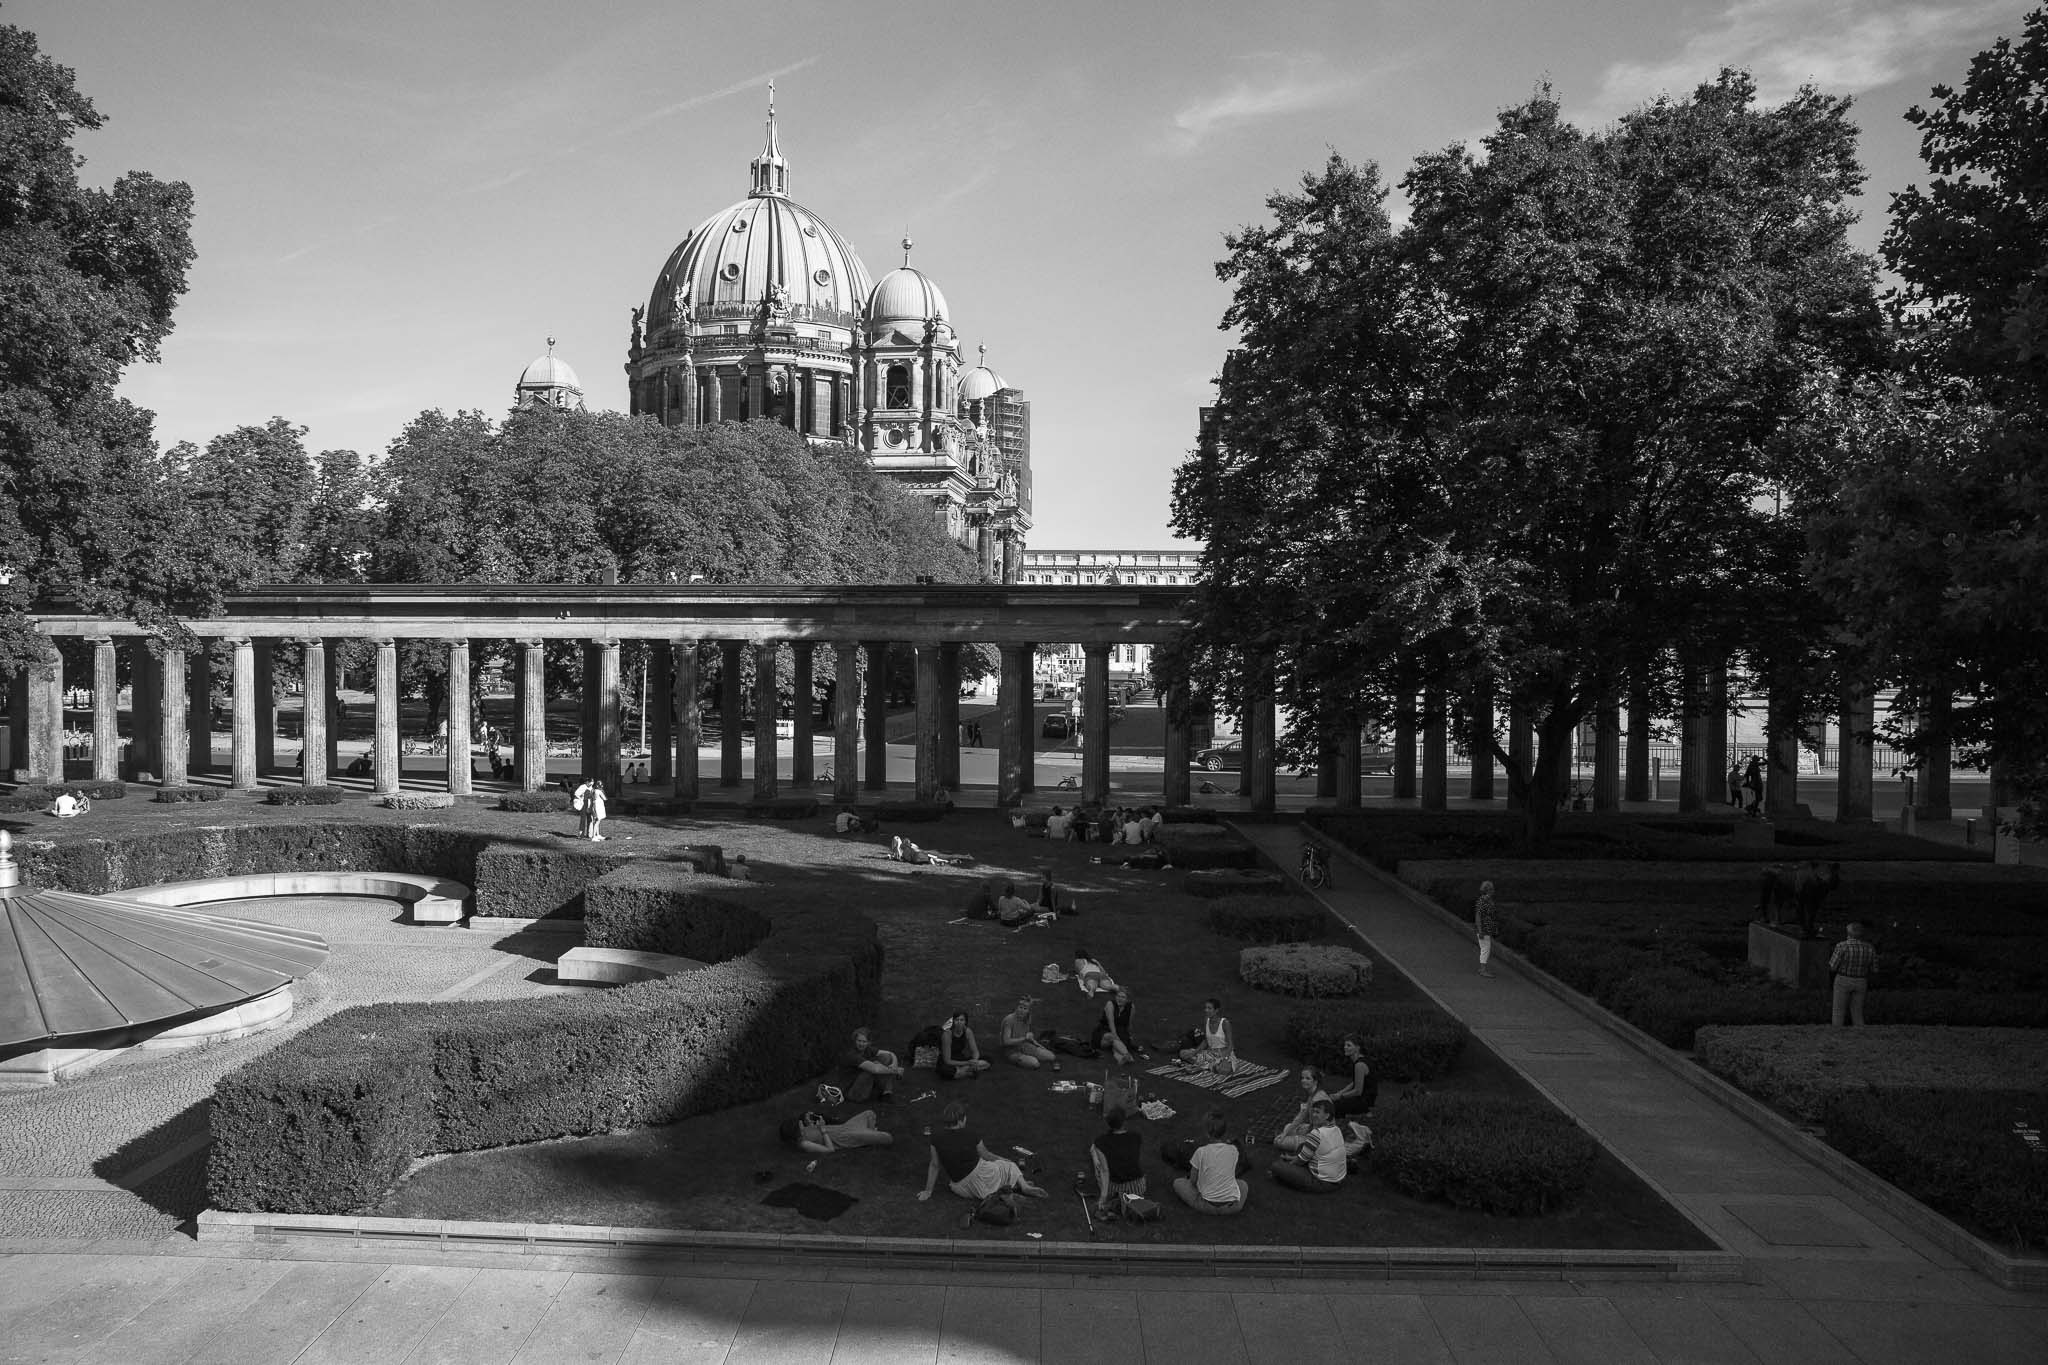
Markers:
771,172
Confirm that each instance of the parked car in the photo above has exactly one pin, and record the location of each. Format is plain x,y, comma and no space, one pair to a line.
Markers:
1376,760
1057,726
1223,756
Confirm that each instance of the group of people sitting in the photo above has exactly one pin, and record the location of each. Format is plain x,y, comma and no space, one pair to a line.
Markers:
1123,825
1001,901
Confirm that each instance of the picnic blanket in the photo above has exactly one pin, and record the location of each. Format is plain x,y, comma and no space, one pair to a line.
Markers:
1235,1084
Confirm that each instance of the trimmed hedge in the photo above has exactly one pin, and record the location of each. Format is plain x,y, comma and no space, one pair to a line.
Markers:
535,803
1216,883
1204,846
912,812
190,853
1483,1152
1799,1070
173,795
521,881
784,808
1317,970
306,796
418,801
1268,919
1962,1153
1190,815
1403,1042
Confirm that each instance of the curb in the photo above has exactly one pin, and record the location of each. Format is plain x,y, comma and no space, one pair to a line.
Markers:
449,1236
2008,1272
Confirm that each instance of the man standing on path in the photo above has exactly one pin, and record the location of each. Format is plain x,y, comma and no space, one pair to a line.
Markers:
1852,963
1487,923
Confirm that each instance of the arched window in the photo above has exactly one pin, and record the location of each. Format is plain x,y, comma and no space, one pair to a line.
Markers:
899,386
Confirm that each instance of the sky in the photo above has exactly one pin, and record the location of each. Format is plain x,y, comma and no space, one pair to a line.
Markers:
399,202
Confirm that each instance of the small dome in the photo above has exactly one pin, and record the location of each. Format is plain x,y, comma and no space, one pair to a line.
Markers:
546,372
905,294
979,383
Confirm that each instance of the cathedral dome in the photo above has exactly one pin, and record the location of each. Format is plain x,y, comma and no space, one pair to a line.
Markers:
728,266
546,372
906,294
979,383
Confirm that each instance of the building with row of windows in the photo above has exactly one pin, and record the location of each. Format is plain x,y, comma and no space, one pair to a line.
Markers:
1152,568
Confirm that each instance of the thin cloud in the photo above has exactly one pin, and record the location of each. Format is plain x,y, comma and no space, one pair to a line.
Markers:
1299,84
1840,46
698,101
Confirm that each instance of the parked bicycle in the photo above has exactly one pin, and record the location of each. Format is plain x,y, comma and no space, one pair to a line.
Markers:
1315,865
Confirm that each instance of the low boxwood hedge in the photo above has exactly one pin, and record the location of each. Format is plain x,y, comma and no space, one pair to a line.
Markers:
190,853
1800,1069
784,808
1403,1042
1963,1153
1308,969
912,812
418,800
305,796
1215,883
173,795
1268,919
535,803
1204,847
1483,1152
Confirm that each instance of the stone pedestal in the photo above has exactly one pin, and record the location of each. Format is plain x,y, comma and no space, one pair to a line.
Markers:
1790,959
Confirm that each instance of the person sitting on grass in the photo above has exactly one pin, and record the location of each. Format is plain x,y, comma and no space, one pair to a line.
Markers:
970,1169
982,904
848,821
1012,909
1218,1049
815,1132
1361,1092
1133,831
68,805
1115,1154
1212,1184
1020,1045
1298,1130
739,869
959,1055
1320,1163
1113,1031
867,1071
1050,898
1058,824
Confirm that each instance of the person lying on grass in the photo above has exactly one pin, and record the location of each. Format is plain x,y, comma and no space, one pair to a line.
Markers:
1089,974
905,851
959,1055
1020,1045
815,1132
1114,1154
1299,1128
970,1169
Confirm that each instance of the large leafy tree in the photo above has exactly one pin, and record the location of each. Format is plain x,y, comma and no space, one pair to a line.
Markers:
88,278
1938,554
1520,447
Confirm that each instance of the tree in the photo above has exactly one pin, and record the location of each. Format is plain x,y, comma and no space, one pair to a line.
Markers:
1521,445
87,282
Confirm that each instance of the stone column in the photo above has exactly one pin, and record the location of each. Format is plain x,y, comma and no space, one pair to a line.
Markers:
661,704
730,705
1522,749
1259,757
1326,761
1692,743
766,746
46,715
1607,755
1027,735
313,736
587,748
927,737
461,770
1350,768
1095,723
1479,742
604,765
1245,725
533,715
17,727
384,756
106,710
1931,792
1635,781
846,721
876,778
1435,756
804,745
242,736
1179,782
1013,724
199,708
266,706
1853,763
1781,762
949,716
1404,747
331,704
689,716
1714,763
173,739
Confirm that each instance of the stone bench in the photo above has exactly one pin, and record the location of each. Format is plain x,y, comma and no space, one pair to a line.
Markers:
430,900
596,966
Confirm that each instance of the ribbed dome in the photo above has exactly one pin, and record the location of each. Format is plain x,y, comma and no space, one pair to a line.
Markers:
979,383
729,261
546,372
73,965
906,294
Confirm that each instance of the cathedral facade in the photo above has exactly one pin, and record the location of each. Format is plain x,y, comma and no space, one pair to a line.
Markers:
765,312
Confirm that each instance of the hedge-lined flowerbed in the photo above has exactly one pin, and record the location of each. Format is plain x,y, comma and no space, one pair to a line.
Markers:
1309,969
1799,1070
1268,919
419,800
1482,1152
1963,1153
305,796
1403,1042
784,808
173,795
1217,882
1204,846
535,803
912,812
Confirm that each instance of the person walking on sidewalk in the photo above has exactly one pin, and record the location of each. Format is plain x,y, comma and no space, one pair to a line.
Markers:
1487,923
1852,964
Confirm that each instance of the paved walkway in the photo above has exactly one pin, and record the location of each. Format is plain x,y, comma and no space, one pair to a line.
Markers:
1836,1280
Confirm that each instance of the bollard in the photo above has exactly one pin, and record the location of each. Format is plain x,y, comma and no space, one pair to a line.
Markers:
1970,832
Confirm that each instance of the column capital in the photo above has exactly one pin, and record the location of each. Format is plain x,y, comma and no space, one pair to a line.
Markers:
384,641
457,642
238,641
309,641
96,641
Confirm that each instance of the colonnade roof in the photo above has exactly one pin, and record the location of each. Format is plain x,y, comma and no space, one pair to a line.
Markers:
997,614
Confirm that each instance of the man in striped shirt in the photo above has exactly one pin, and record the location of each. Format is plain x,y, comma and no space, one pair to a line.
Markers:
1852,963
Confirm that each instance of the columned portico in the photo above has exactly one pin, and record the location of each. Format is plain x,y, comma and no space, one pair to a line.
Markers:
171,736
46,716
927,740
949,716
384,756
106,716
689,715
604,765
661,703
1095,723
459,763
876,777
199,710
533,716
846,694
1013,724
803,741
266,705
729,708
766,786
242,742
313,688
